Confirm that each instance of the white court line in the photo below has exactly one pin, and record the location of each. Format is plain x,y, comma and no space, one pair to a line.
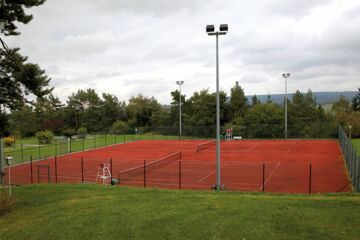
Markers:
211,173
290,147
272,173
253,147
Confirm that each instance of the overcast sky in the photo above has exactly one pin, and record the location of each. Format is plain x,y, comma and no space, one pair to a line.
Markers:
127,47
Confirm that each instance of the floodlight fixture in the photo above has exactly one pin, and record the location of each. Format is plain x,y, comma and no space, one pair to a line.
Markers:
210,28
224,27
286,75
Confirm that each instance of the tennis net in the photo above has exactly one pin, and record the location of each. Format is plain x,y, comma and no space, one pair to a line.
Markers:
140,171
203,146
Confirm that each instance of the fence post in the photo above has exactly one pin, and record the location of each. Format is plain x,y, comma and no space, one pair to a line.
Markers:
310,179
263,178
22,154
31,169
144,173
55,170
55,147
111,168
39,150
180,174
105,138
94,141
124,138
82,170
83,141
115,137
70,143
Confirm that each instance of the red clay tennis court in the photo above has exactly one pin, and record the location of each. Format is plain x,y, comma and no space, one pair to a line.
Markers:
289,166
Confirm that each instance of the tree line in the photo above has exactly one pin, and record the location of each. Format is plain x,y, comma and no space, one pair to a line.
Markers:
85,109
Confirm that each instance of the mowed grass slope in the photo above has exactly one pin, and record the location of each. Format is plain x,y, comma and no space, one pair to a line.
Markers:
356,143
103,212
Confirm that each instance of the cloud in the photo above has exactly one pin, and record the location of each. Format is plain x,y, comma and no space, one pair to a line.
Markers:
126,47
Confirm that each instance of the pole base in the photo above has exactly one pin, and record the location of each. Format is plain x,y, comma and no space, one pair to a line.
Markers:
217,187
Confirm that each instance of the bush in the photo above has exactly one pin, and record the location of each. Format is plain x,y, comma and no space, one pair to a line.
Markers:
6,203
45,137
82,132
16,134
9,141
69,132
120,126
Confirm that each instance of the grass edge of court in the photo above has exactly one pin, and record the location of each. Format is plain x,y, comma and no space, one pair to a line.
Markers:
44,201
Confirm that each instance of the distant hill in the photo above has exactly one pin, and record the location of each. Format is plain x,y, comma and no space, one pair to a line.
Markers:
321,97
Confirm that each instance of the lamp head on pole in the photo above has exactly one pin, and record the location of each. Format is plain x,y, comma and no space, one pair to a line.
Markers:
286,75
179,83
224,28
210,28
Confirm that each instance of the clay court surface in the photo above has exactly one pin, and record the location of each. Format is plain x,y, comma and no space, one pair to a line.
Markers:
251,165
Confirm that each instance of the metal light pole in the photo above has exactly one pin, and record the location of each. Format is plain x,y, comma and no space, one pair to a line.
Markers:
210,29
286,76
179,83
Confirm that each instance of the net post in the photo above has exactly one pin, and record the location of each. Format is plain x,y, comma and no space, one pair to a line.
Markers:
31,169
263,178
144,173
310,179
55,170
82,170
197,147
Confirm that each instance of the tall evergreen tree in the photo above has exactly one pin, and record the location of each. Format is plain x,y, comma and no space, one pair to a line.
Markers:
238,101
18,79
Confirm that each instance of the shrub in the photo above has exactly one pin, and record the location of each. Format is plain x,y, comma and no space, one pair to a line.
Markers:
82,132
120,126
16,133
44,137
6,203
69,132
9,141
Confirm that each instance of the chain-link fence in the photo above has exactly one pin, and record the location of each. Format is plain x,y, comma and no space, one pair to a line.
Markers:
352,159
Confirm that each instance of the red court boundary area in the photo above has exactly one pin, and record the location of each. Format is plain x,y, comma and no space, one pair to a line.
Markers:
247,165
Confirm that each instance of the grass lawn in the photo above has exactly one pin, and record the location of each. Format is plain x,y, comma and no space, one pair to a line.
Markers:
61,211
356,143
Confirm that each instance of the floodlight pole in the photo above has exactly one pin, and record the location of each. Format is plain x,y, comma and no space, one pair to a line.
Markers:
217,33
286,76
179,83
